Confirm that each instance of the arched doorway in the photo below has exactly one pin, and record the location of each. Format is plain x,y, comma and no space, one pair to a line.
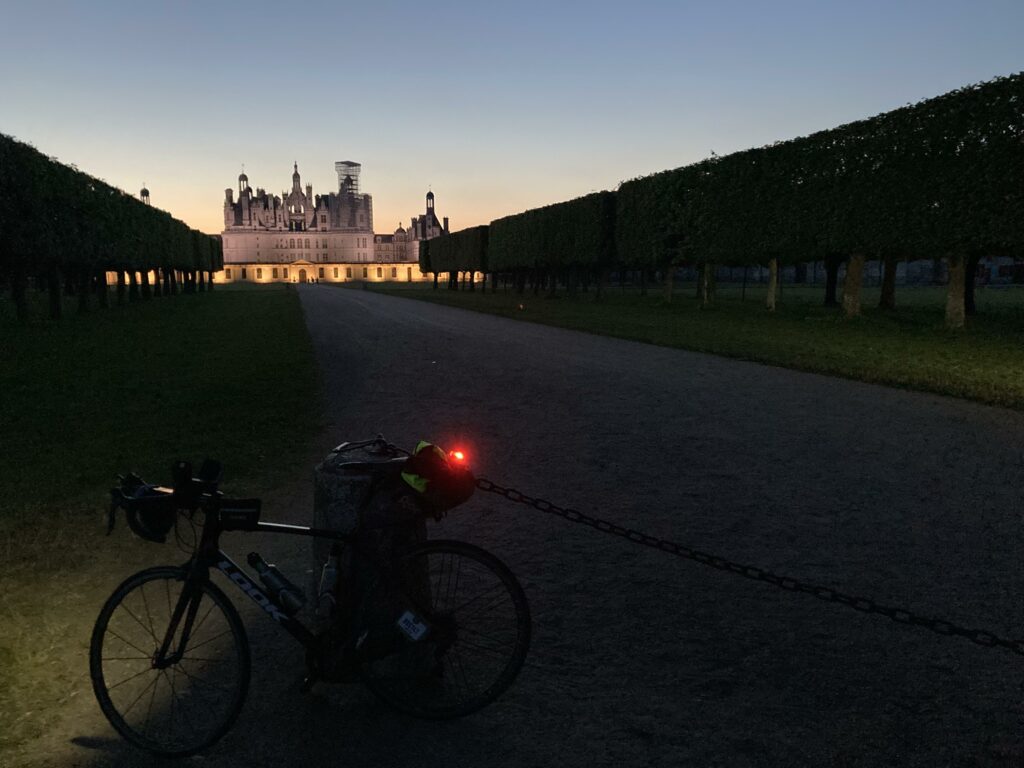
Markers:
302,276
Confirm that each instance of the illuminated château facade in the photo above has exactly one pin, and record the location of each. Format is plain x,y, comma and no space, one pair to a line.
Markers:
299,237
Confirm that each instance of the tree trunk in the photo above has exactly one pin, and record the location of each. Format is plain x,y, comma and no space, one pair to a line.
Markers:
669,282
18,294
971,273
831,280
147,290
852,285
201,276
435,280
773,284
83,278
120,287
472,283
888,299
707,285
172,278
209,280
133,285
955,292
53,289
101,289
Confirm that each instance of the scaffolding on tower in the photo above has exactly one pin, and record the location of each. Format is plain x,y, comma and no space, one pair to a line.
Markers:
348,176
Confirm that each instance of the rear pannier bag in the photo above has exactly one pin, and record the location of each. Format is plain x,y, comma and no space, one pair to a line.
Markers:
358,489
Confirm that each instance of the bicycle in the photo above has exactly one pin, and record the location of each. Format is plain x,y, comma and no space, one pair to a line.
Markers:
438,631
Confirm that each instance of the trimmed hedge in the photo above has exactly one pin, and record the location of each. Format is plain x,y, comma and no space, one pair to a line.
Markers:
463,251
56,219
942,176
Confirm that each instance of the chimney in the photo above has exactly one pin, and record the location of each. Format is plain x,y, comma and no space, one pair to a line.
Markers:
445,223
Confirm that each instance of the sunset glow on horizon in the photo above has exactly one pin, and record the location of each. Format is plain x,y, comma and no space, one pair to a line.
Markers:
495,109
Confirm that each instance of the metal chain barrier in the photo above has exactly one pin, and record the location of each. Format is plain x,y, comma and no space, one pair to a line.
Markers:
980,637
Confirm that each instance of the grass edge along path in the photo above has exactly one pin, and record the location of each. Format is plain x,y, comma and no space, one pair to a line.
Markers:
908,347
228,374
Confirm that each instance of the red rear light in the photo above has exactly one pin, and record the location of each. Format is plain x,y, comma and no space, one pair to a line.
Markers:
458,455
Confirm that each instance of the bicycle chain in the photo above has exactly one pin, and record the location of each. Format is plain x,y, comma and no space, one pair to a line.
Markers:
980,637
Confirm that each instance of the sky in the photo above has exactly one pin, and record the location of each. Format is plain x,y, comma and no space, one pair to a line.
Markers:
495,108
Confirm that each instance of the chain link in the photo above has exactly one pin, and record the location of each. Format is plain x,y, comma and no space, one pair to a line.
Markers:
980,637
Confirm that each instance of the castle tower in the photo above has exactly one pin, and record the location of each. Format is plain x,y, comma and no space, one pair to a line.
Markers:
144,194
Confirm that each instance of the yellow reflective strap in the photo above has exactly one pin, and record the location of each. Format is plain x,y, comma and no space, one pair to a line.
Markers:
416,481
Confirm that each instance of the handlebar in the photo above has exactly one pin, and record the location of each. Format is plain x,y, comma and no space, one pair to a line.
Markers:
144,502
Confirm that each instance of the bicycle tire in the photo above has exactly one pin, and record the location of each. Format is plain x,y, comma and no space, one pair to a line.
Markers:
120,646
442,674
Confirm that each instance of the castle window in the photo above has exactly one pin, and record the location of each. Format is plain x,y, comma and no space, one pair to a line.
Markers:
409,274
394,271
307,242
335,271
259,274
323,219
285,270
275,273
348,271
243,273
291,243
321,271
380,272
364,271
227,274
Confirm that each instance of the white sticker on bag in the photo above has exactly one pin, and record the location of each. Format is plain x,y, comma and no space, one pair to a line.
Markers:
412,628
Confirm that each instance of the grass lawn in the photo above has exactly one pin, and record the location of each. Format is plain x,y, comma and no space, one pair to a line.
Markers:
909,347
228,374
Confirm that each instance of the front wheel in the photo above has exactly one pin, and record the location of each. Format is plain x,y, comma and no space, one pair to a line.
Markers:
444,631
169,709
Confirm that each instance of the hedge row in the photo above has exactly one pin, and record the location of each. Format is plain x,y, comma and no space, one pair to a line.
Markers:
464,251
942,178
62,226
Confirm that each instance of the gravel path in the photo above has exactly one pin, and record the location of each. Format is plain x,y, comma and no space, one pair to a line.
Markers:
639,658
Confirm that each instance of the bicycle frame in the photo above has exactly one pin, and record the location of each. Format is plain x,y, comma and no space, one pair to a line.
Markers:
209,555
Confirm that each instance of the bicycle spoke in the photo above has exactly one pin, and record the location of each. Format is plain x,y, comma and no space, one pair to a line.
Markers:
184,709
125,658
499,586
167,588
497,652
128,642
149,616
149,710
196,628
454,586
215,637
200,681
127,679
510,646
136,699
139,622
456,663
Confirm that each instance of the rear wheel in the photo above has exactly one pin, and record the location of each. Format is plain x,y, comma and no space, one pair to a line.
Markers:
169,709
444,631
